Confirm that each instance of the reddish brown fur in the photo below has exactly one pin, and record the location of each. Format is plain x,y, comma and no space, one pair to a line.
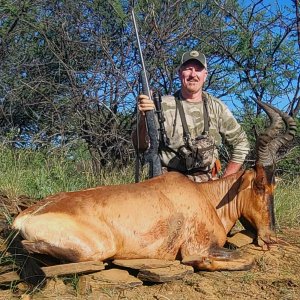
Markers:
160,218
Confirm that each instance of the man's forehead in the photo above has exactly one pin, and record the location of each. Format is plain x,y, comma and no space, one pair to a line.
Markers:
192,63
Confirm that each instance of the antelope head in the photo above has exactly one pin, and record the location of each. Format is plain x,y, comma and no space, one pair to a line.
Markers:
282,130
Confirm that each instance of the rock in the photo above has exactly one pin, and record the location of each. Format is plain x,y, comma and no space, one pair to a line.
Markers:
165,274
23,287
241,239
55,286
3,246
71,268
139,264
58,270
108,278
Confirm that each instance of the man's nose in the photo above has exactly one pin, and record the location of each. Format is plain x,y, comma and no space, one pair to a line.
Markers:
193,72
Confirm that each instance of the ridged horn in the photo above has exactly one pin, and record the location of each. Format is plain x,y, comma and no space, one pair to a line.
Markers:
271,140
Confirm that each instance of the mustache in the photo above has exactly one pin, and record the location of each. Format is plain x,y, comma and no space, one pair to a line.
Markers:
192,78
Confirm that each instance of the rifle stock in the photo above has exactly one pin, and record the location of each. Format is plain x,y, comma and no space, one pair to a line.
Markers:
151,155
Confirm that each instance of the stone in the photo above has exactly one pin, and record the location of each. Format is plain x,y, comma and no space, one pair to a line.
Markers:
166,274
26,297
241,239
23,287
55,286
113,278
139,264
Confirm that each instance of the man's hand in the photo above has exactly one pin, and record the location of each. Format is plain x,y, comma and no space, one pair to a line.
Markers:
232,168
145,104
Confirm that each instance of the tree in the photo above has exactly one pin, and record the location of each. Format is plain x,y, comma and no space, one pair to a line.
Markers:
70,70
63,79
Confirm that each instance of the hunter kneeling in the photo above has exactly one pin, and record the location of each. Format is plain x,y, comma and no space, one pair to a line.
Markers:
195,124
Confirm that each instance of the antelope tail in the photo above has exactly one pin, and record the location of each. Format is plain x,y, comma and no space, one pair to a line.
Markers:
28,268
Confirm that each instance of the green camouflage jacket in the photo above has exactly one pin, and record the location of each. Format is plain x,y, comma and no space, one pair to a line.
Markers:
223,126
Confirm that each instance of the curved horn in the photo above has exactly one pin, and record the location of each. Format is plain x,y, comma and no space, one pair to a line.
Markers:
264,154
290,130
268,143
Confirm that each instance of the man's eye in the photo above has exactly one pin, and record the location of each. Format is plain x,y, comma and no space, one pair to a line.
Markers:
191,69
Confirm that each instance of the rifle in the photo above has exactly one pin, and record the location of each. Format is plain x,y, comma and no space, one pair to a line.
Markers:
163,138
151,155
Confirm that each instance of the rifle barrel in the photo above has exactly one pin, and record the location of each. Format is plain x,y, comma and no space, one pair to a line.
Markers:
145,83
151,155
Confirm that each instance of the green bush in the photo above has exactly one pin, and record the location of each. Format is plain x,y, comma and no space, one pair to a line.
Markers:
37,174
287,204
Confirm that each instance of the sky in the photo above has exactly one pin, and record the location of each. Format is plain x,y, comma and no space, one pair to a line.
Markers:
273,3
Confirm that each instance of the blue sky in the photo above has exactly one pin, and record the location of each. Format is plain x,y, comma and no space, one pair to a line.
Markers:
272,3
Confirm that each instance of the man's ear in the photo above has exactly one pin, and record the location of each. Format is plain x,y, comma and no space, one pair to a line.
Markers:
206,74
179,73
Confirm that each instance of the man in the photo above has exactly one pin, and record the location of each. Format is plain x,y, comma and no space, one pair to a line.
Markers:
196,124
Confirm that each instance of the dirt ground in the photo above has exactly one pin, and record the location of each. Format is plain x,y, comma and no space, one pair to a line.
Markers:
275,275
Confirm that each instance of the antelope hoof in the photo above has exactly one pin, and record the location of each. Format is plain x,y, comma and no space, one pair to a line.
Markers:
233,262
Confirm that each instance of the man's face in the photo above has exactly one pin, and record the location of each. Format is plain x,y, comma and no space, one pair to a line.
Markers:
192,76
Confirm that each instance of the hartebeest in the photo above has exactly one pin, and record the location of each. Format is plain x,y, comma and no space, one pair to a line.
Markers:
166,217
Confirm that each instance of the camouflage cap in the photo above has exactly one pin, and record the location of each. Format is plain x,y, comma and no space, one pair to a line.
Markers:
194,55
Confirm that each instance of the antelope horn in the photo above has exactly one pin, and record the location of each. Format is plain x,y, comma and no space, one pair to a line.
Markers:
290,130
264,154
267,144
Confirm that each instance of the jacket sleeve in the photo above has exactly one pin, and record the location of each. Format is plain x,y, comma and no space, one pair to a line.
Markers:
234,135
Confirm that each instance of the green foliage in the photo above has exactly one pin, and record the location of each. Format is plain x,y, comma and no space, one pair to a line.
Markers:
37,174
287,204
70,69
59,76
289,165
288,156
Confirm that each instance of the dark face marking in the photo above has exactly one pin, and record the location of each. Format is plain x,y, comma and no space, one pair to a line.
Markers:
270,181
263,201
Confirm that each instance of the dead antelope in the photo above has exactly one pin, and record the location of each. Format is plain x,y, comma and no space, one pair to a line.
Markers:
166,217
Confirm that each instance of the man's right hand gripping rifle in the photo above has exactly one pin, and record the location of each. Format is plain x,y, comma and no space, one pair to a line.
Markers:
144,104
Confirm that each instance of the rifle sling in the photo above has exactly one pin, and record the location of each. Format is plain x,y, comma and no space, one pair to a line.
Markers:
186,132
